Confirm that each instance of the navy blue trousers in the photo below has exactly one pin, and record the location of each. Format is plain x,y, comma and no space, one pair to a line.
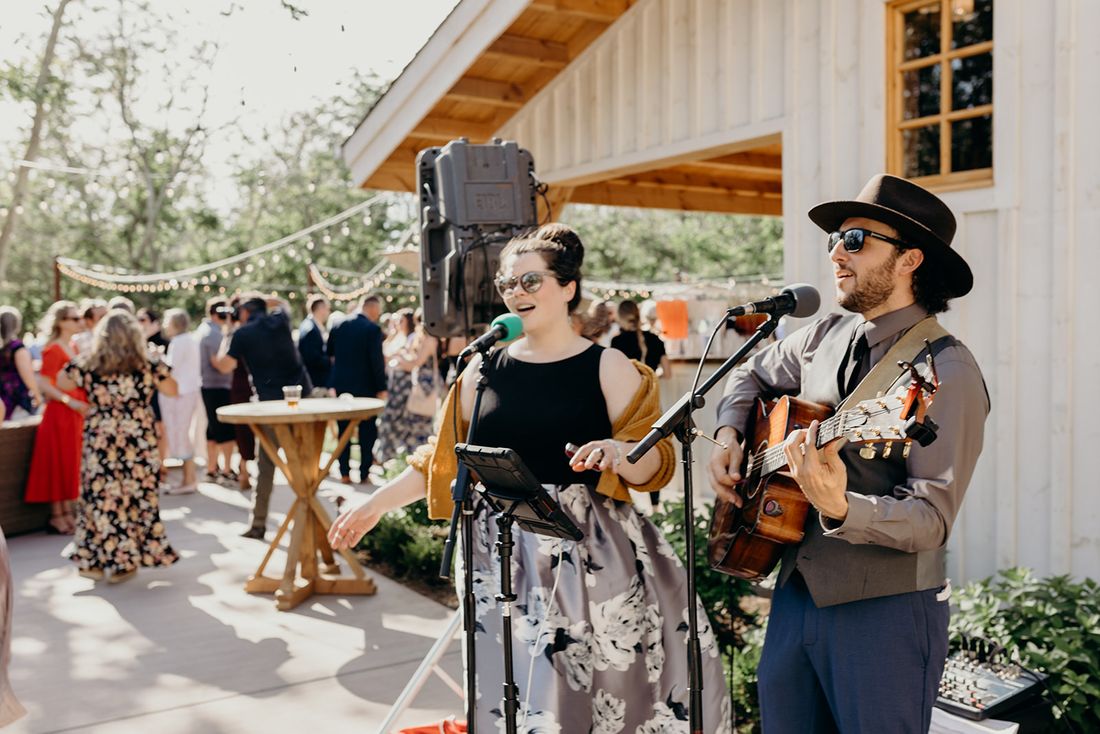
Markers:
865,667
368,434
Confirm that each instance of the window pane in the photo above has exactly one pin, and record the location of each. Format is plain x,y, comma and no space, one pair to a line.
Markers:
922,32
972,21
920,92
921,148
972,144
972,81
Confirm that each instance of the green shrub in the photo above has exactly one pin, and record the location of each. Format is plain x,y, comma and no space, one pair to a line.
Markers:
719,593
738,630
1054,623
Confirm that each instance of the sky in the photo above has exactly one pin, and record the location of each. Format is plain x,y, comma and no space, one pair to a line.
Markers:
268,64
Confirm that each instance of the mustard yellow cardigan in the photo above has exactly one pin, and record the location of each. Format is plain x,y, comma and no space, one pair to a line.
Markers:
436,459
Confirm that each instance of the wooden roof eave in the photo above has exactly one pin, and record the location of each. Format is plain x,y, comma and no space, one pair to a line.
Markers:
471,27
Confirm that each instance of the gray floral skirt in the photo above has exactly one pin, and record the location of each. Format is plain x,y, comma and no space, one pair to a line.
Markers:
599,627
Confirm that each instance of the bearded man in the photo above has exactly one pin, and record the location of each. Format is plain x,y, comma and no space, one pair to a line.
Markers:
857,634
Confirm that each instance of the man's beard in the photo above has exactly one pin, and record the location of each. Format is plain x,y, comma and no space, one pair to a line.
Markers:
872,289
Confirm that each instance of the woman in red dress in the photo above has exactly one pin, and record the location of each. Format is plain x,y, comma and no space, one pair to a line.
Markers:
55,465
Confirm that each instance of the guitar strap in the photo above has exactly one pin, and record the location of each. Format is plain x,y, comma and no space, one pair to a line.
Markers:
885,372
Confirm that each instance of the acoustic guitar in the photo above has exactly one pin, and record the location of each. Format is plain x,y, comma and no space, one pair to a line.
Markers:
747,542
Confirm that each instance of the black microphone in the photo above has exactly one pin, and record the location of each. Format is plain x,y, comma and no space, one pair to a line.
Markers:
505,327
799,300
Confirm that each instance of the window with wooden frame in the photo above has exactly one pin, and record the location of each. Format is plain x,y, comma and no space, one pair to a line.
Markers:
940,91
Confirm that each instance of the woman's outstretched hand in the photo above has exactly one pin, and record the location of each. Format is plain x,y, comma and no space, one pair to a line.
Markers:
352,525
603,455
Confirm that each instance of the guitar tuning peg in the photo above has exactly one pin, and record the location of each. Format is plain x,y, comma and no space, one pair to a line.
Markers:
908,447
868,452
887,449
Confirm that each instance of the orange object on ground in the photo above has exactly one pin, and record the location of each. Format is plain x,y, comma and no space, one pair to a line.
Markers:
448,726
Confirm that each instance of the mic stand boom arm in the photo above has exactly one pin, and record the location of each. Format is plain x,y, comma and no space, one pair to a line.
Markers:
678,420
463,512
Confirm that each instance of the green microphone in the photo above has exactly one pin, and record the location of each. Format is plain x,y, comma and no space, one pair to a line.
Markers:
505,327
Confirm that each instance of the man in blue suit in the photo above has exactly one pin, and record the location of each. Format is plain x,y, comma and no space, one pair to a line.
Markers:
311,341
355,348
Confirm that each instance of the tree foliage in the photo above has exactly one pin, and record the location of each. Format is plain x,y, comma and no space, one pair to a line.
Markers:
115,105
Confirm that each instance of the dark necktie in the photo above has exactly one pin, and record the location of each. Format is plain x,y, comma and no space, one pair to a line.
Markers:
857,362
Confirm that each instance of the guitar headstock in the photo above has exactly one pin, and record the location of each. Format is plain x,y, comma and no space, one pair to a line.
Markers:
899,417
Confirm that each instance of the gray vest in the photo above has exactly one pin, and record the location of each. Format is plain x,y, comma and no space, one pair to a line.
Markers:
835,570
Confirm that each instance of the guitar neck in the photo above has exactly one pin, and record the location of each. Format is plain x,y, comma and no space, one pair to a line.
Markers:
773,459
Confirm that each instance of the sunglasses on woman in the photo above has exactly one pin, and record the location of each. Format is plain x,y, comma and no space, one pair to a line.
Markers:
853,239
530,281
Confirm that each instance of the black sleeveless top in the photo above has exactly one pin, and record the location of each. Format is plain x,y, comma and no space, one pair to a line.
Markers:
535,409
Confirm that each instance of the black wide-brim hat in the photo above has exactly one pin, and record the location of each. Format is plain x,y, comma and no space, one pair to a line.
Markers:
920,218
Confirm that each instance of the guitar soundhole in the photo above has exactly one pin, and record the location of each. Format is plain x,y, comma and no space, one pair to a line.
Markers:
751,475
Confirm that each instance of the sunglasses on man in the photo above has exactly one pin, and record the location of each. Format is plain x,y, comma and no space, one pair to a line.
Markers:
854,238
530,281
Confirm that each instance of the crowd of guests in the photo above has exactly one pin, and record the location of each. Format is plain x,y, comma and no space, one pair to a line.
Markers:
119,388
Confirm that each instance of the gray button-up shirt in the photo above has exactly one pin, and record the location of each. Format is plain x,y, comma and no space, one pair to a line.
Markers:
911,517
210,341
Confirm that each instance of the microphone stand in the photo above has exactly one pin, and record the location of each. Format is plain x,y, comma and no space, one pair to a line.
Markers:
463,513
677,421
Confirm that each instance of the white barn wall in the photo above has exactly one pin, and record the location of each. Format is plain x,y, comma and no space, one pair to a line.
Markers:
675,77
1032,500
663,82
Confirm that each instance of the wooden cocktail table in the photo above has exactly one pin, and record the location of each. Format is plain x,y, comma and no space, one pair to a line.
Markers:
301,434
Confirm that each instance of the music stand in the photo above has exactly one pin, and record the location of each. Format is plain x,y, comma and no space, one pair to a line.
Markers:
510,488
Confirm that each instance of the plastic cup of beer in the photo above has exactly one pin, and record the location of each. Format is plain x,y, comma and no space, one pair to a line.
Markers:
292,394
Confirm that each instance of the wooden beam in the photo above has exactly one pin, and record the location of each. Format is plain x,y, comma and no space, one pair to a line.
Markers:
488,91
445,129
388,180
761,162
530,51
585,35
685,178
557,197
681,199
607,10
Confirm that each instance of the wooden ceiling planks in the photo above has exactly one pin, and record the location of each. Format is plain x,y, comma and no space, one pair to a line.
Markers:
524,59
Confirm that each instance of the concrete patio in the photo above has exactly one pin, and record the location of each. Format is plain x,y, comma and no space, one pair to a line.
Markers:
184,649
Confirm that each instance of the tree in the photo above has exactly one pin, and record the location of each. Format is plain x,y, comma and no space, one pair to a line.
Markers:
40,96
657,245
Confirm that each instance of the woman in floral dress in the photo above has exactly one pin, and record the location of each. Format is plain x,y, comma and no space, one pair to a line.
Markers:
599,625
400,430
119,526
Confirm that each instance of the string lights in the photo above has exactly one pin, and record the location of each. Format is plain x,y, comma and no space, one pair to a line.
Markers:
113,279
376,280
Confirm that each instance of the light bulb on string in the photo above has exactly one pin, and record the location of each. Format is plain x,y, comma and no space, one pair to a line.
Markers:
345,230
310,245
248,268
19,209
275,258
50,183
291,252
159,157
326,238
236,271
261,262
225,274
